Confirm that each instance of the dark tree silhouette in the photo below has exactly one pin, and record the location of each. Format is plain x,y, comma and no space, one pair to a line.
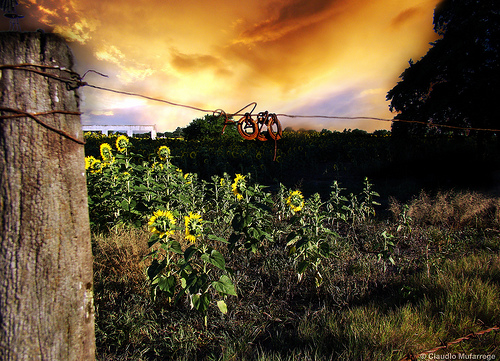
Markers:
457,83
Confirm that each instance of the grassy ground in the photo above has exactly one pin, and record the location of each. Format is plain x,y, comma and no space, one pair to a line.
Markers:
444,284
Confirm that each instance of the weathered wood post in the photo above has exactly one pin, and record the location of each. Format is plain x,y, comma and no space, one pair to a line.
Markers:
46,299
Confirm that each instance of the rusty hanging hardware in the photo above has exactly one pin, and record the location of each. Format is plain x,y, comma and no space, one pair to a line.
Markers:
250,129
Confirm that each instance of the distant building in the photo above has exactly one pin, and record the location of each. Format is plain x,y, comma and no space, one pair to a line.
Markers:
130,129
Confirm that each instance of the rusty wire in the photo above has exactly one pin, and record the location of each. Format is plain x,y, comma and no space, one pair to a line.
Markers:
412,357
19,113
75,81
288,115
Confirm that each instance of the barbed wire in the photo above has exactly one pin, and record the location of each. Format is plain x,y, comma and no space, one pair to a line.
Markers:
412,357
75,81
20,113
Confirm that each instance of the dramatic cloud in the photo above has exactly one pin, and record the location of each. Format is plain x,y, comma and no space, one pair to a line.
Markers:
330,57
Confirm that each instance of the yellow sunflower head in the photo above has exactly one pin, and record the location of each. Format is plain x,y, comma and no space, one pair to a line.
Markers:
157,167
164,153
239,186
162,223
89,161
106,153
296,201
96,166
122,143
188,178
194,226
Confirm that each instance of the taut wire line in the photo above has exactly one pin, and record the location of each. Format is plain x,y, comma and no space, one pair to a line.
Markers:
75,81
412,357
20,113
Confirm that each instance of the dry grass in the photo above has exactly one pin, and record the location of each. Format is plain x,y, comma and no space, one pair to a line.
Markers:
362,311
118,256
451,209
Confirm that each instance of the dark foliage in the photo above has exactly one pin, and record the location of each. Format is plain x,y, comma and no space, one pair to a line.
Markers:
457,83
209,127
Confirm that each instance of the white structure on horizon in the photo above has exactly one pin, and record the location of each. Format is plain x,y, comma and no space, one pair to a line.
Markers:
130,129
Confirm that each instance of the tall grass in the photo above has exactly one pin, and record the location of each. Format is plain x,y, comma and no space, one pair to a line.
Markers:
444,284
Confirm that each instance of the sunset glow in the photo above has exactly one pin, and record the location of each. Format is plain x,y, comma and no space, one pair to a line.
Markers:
319,57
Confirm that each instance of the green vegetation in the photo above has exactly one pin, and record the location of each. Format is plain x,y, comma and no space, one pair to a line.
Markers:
239,266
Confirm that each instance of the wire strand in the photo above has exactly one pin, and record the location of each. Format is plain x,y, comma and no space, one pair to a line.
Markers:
20,113
76,81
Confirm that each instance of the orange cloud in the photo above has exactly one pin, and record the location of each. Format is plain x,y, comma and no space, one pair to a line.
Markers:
292,16
405,16
196,62
337,57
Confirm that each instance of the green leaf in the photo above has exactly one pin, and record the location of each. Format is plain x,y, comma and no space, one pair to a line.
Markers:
155,268
215,258
124,204
222,306
213,237
264,207
154,238
225,286
176,247
301,268
324,249
167,285
201,302
141,188
247,220
253,233
188,253
291,239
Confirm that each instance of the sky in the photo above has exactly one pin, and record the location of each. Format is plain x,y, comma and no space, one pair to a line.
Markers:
295,57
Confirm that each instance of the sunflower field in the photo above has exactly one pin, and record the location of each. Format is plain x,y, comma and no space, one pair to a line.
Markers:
196,224
212,250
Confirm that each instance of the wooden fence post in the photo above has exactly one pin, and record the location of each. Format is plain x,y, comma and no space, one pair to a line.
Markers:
46,281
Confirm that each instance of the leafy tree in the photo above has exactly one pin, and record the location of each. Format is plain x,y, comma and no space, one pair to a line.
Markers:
209,127
457,83
178,133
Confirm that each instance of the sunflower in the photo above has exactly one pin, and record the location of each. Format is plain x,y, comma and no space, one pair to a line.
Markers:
162,223
164,153
96,166
106,153
188,178
157,167
238,186
122,143
296,201
89,161
194,226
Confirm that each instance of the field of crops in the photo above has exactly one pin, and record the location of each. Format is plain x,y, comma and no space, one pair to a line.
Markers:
211,250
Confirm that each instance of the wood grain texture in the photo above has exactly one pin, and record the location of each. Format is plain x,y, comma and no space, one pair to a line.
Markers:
46,299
